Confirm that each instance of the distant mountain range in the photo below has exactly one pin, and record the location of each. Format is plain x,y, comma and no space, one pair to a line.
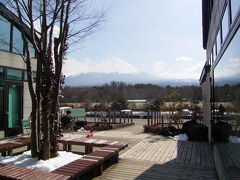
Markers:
98,79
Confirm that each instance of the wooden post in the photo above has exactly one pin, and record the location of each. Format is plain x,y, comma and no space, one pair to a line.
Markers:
94,117
155,117
114,117
109,117
151,117
88,149
65,147
162,122
131,117
148,118
120,118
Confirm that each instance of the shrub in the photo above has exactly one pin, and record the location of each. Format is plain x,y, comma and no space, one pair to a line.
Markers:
152,129
221,131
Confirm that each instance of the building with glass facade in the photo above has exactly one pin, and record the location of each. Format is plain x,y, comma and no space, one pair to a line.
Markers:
15,101
220,81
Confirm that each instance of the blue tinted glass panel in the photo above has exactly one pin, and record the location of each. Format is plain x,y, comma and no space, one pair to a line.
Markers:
218,42
34,75
235,5
225,25
31,50
1,73
5,28
25,76
14,74
214,52
1,106
17,41
226,109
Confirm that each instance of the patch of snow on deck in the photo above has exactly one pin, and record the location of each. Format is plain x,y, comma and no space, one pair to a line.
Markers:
234,139
25,160
181,137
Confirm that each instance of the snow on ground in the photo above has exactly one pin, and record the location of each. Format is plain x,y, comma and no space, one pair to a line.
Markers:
234,139
25,160
180,137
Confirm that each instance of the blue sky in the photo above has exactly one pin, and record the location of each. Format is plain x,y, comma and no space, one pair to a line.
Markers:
161,37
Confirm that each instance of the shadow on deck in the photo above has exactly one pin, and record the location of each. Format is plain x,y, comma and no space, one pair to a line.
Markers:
158,158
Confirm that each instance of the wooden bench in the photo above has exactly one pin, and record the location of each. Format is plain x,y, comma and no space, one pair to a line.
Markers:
89,143
80,169
11,172
91,165
7,148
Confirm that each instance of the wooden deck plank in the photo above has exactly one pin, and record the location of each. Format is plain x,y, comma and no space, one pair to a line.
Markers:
133,169
184,153
198,153
152,148
169,155
162,147
202,154
158,152
189,153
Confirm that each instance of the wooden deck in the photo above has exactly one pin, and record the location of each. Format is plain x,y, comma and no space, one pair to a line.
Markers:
128,169
230,156
157,157
171,152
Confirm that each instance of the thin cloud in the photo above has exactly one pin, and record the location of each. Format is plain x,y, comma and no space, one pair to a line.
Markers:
183,59
188,72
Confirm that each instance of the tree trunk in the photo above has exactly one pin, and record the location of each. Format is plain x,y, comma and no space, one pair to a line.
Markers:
34,135
45,154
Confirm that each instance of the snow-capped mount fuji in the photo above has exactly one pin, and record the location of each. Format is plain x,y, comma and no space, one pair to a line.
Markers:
90,73
95,78
98,79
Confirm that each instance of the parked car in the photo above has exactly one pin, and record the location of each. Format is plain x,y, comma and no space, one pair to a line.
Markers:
187,114
63,110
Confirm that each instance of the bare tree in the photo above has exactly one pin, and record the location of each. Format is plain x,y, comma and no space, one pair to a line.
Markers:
51,27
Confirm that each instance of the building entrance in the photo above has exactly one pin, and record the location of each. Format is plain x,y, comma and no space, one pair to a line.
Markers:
13,109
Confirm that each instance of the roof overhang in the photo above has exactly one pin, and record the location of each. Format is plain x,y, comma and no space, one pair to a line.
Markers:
205,21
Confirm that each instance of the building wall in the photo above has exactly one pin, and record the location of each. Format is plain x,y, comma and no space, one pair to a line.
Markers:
206,95
15,61
12,60
223,55
215,18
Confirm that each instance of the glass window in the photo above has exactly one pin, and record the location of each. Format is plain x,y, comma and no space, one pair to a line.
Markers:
14,74
235,4
214,52
25,76
34,75
226,109
1,106
14,106
210,59
1,73
31,50
17,41
5,29
225,24
218,42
